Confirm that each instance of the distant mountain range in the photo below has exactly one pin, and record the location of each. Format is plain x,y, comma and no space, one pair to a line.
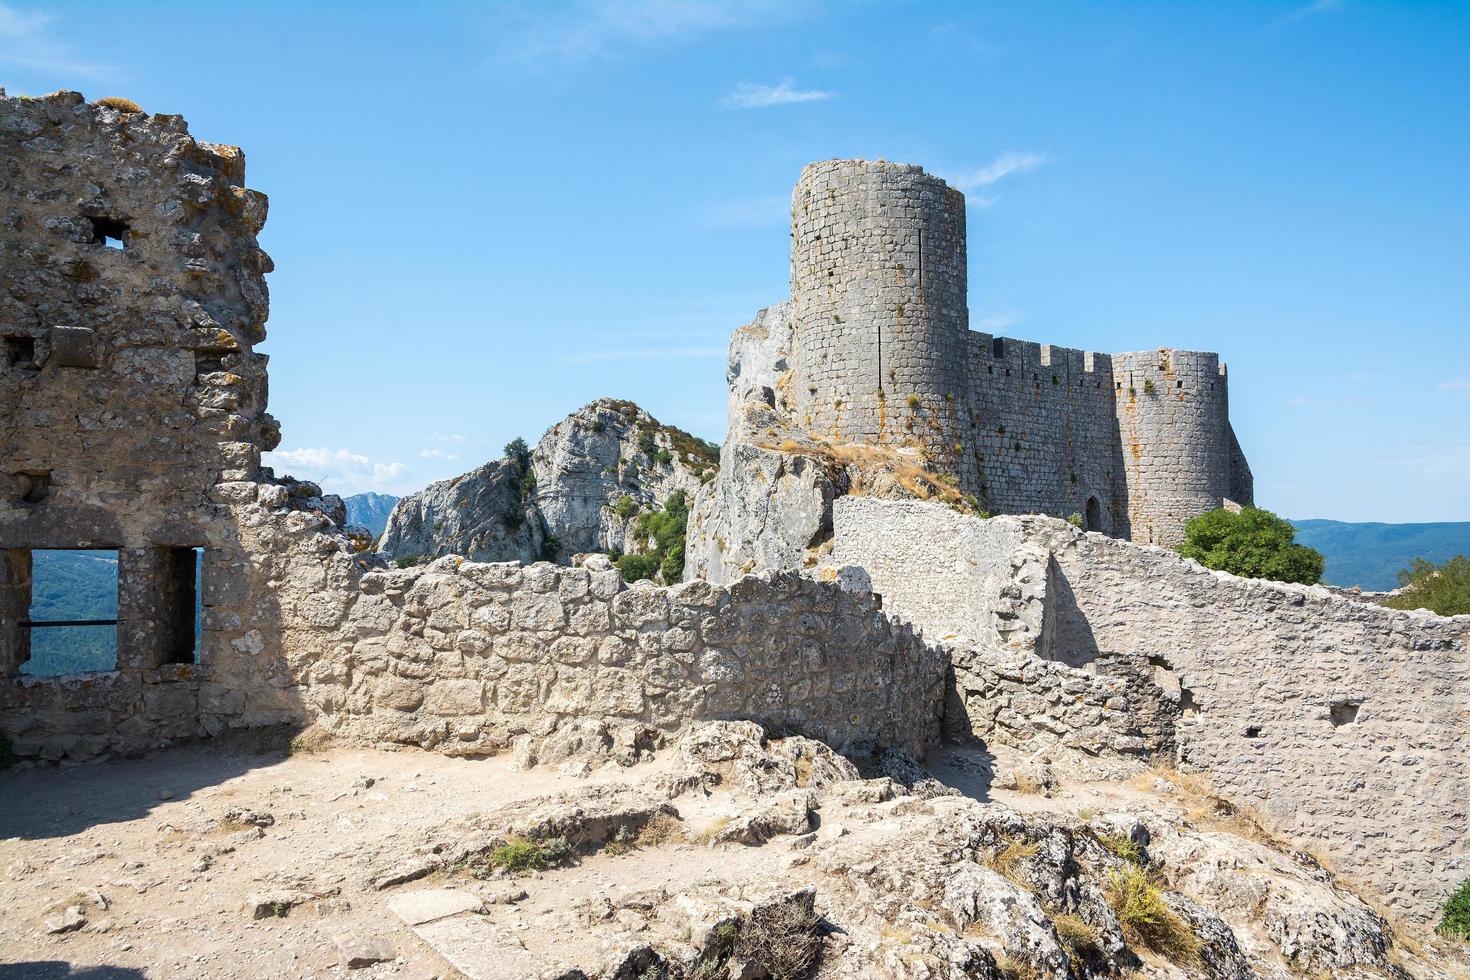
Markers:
370,510
1371,555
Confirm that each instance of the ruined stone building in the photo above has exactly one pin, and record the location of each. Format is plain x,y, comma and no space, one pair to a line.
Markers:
133,415
1137,443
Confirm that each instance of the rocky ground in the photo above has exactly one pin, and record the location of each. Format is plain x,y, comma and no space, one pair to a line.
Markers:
731,854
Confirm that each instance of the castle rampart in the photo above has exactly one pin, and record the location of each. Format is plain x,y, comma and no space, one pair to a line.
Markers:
1135,443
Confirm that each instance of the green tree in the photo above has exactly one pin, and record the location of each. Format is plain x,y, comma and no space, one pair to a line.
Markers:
1444,589
1253,543
667,529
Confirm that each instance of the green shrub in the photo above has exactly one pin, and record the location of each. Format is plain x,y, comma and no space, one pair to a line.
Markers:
1074,519
1456,921
1254,543
647,444
521,856
1148,386
636,567
664,456
1122,847
625,507
518,453
913,401
1444,588
667,528
407,561
597,425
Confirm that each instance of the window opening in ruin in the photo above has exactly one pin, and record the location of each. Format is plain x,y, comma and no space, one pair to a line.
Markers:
1179,384
998,348
34,486
109,232
180,570
1094,514
72,617
20,352
1253,731
1344,713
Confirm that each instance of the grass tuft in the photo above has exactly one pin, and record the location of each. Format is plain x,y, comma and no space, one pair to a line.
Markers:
1147,919
121,105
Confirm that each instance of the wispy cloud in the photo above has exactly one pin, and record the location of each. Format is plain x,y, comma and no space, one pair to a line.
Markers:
751,95
539,35
338,470
27,40
437,454
1310,10
1458,384
648,354
1001,167
449,438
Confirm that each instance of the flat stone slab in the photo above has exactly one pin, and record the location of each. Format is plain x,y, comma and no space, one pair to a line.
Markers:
481,950
428,904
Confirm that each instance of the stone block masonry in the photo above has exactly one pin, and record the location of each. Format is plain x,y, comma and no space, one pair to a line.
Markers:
1136,444
1344,723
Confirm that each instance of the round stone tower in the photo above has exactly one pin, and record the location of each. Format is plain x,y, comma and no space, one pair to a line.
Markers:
878,296
1178,450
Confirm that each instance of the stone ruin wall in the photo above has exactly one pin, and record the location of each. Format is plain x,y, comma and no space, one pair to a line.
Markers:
129,390
1342,722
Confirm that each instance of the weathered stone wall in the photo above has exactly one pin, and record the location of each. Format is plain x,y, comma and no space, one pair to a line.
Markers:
1342,721
467,658
878,301
129,391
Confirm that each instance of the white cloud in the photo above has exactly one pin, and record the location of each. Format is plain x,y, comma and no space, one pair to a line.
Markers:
1310,10
999,168
27,41
539,35
437,454
450,438
338,470
648,354
750,95
1458,384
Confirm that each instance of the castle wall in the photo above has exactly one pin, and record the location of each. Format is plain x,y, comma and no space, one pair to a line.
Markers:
1044,434
1342,722
878,287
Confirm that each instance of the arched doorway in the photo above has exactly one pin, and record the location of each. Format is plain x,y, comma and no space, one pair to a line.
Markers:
1094,514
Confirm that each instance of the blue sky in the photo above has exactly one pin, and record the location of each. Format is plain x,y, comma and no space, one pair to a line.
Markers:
485,215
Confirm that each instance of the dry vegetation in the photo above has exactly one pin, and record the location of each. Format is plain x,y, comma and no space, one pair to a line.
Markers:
1146,918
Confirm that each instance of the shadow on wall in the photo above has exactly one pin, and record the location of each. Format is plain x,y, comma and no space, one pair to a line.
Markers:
62,970
1070,638
62,802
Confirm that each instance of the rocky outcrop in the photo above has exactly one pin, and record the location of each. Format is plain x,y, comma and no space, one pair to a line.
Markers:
580,491
770,507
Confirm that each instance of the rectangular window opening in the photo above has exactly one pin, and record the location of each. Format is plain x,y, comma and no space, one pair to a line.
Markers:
20,352
109,232
72,618
183,606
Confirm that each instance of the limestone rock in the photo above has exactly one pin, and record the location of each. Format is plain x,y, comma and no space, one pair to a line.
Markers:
571,500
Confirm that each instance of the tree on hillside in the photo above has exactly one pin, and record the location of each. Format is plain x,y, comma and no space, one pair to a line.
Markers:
1444,589
1253,543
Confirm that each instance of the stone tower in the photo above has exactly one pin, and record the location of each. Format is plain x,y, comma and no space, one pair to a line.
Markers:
1180,457
878,296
